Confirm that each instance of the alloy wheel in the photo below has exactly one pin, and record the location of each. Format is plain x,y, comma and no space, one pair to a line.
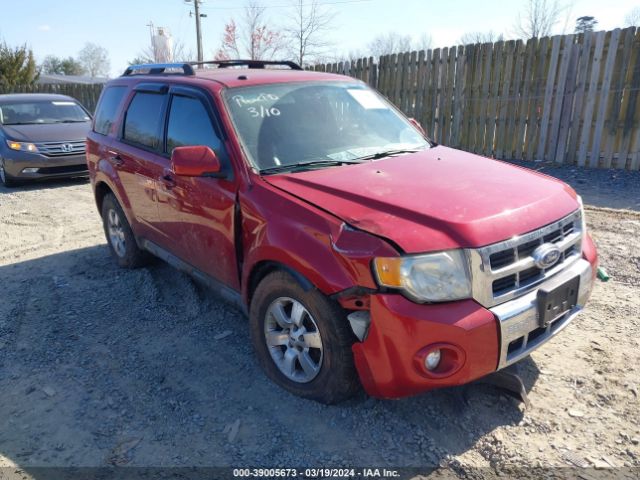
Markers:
293,340
116,233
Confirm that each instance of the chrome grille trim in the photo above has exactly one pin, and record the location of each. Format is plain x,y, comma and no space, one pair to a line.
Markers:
60,149
569,236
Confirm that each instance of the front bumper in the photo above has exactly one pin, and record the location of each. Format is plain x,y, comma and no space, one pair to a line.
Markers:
520,331
388,360
47,167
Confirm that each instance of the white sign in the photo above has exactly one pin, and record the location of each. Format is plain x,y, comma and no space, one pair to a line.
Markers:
367,99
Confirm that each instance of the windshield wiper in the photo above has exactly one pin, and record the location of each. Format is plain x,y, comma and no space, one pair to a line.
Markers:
71,121
310,163
388,153
23,123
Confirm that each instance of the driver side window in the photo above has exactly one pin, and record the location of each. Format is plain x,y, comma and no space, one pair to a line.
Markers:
189,124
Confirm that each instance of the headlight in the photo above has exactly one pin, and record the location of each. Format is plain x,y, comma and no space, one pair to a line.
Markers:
433,277
582,216
23,147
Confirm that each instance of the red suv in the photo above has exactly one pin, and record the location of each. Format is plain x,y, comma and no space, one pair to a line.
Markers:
363,253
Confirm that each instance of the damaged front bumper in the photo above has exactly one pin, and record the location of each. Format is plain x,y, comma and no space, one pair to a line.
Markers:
476,341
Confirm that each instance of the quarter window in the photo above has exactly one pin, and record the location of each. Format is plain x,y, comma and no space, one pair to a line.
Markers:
143,120
190,124
108,109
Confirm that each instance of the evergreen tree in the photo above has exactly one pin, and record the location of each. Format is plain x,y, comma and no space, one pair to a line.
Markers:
17,66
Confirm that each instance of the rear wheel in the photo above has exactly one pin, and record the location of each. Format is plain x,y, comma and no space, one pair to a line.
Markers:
7,181
120,238
302,340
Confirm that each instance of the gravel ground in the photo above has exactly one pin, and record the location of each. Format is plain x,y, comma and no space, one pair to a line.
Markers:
599,187
100,366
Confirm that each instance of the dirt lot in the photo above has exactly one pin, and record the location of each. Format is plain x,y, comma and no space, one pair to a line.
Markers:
101,366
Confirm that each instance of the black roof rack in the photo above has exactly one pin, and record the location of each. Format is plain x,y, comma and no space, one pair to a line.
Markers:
187,68
159,68
249,63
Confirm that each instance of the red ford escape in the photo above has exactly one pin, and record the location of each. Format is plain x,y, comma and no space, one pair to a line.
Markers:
363,253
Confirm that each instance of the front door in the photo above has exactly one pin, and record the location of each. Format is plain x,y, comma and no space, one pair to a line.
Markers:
197,213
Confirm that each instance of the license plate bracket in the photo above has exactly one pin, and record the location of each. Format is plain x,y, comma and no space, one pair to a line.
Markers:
556,300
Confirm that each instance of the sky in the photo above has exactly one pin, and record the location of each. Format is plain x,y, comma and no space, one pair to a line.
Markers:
61,28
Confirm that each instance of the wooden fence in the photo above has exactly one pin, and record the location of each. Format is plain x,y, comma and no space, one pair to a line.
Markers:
86,94
568,99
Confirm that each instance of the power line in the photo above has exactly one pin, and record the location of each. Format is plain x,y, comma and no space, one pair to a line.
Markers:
267,6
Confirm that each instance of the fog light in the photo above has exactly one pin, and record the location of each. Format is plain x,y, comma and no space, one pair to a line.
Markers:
29,170
432,360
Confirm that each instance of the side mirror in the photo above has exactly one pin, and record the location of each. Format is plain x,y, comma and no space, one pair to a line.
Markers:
416,124
195,161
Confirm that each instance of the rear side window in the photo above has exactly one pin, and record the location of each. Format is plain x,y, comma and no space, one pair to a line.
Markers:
189,124
108,109
143,120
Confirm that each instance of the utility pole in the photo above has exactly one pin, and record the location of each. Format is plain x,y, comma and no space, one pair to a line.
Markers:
198,15
196,6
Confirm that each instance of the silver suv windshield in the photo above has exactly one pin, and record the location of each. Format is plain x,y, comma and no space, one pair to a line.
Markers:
316,125
42,112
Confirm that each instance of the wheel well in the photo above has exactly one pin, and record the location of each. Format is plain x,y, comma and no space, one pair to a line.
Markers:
264,268
102,189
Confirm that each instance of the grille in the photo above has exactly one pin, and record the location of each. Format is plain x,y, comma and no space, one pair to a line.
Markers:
505,270
61,149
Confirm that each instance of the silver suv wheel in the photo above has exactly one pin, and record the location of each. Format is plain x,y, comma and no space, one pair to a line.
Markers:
293,340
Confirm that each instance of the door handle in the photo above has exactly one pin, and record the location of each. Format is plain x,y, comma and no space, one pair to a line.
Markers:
115,159
168,182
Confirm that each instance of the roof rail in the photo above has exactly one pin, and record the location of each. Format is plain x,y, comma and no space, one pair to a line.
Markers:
249,63
159,68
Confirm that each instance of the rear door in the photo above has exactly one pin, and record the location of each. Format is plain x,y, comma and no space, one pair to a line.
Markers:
138,155
198,212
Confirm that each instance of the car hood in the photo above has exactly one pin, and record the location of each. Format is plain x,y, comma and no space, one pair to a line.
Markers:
55,132
435,199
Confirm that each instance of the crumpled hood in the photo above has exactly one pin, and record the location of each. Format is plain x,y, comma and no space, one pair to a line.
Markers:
435,199
55,132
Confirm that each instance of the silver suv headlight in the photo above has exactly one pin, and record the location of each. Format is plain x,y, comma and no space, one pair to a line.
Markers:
433,277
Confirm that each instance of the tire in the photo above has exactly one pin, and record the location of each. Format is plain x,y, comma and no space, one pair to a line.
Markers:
322,323
122,243
6,180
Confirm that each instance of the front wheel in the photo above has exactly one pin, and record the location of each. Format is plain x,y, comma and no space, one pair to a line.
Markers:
6,180
302,340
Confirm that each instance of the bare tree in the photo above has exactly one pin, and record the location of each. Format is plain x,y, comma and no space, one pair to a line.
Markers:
252,39
423,42
538,18
307,29
632,19
94,60
389,43
480,37
393,42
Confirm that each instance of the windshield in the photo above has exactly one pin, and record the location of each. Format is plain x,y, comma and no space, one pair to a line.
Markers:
42,112
317,125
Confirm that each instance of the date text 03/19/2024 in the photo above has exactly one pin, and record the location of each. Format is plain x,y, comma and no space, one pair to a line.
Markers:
371,473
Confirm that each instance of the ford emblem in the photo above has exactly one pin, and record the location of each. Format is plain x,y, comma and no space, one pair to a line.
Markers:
546,255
